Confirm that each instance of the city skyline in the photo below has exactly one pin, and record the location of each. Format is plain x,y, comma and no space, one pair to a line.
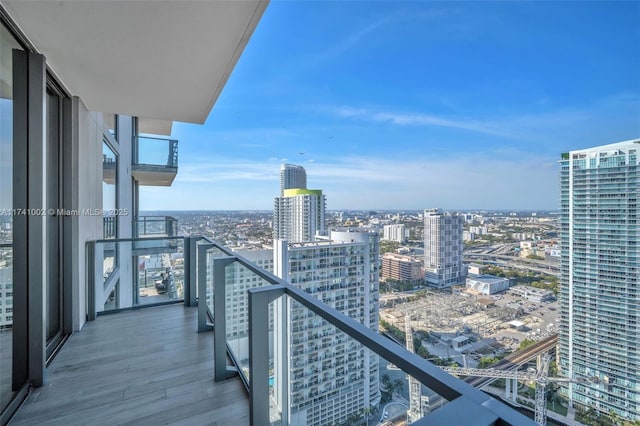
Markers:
408,105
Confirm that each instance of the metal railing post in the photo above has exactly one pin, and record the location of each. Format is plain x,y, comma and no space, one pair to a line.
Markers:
91,281
222,372
259,397
190,261
202,288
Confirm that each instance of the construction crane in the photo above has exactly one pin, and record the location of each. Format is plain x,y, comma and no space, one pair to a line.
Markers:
540,376
415,387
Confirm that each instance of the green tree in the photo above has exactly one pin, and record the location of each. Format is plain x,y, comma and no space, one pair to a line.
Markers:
525,344
487,361
397,385
386,381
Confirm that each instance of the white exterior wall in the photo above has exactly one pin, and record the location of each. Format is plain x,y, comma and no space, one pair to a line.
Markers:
488,285
331,376
395,233
298,218
443,247
86,188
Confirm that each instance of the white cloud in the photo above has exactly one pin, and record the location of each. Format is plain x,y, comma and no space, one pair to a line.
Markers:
473,181
419,119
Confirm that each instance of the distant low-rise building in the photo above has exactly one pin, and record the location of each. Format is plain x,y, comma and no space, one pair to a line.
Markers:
399,267
533,294
487,284
475,269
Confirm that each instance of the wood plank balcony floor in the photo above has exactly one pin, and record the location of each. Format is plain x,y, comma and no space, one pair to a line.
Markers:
143,367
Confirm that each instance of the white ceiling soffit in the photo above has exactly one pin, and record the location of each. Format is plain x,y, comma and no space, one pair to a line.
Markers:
165,60
155,127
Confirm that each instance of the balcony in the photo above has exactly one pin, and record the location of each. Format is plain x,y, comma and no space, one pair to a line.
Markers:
143,227
166,363
155,226
147,366
155,161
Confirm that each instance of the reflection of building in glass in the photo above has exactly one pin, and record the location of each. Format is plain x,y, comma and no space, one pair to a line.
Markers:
332,376
6,288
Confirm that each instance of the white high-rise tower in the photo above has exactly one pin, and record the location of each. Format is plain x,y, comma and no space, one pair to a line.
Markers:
332,376
443,246
299,213
292,176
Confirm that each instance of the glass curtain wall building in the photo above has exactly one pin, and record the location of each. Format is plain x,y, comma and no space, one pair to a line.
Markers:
599,299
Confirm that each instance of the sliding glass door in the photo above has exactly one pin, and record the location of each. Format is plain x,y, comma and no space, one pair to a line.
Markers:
9,383
34,133
54,280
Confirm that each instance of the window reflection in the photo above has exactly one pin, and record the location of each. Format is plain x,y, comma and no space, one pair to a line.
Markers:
7,44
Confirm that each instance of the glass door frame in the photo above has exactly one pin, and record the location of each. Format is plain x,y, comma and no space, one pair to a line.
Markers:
31,349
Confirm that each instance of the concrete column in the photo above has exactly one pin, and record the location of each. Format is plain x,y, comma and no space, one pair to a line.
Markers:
507,390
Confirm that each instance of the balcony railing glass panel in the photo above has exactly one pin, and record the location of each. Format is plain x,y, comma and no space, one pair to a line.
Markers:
329,355
320,375
238,279
153,151
133,272
155,226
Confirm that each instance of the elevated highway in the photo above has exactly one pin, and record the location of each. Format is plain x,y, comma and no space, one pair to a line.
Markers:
513,261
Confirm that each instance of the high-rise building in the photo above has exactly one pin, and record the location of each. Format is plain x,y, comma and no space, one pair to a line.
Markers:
298,214
443,246
396,232
332,377
292,176
599,302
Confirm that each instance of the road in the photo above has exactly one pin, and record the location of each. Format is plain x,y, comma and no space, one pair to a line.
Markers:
392,416
515,262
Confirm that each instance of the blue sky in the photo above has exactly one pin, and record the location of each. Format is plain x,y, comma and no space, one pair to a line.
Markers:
409,105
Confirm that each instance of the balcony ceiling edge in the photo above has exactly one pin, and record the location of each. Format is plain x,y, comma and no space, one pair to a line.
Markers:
161,60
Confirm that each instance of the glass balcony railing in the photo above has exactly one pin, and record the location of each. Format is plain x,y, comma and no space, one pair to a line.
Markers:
142,227
109,227
153,151
155,226
155,161
296,355
127,273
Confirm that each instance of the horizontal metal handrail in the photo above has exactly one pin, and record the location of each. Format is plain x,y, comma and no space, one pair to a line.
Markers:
168,226
156,138
129,240
424,371
98,289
